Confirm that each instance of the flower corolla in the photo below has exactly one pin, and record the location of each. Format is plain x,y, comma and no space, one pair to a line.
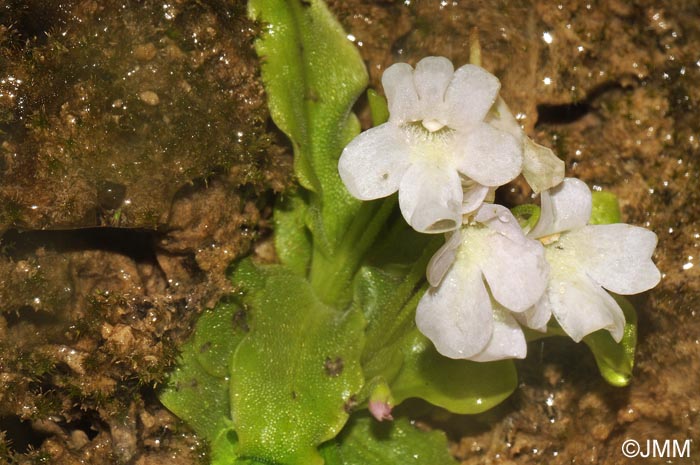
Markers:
542,169
486,273
585,260
436,149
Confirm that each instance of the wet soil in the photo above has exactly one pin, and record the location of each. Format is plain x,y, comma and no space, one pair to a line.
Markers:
137,161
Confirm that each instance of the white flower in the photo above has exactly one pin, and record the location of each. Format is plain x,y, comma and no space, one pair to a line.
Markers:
541,168
461,315
435,144
584,259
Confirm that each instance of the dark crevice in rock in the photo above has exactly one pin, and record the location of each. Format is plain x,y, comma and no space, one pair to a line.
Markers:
571,112
33,21
561,114
20,435
136,244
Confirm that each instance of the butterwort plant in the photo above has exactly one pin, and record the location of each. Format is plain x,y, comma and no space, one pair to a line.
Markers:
398,276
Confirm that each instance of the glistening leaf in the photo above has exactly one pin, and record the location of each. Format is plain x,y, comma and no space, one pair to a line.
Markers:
197,397
606,209
292,236
294,376
197,390
616,360
312,75
366,442
218,333
460,386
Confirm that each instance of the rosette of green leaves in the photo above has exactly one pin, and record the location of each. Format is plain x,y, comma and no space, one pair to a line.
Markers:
273,374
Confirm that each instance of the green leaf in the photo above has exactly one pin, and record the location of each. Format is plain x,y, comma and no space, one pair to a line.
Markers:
196,396
292,236
378,107
197,390
312,75
388,299
366,442
396,352
606,209
527,215
219,331
223,448
460,386
295,374
616,360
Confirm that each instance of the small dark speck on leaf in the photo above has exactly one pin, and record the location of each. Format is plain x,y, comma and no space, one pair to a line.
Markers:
350,404
312,95
240,321
205,347
333,367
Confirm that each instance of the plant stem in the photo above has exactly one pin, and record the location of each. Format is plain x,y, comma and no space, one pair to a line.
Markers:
403,301
331,276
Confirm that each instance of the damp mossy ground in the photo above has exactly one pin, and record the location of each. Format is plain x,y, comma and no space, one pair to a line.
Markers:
108,110
136,162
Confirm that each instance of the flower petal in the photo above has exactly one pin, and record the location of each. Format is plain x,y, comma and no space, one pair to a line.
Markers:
563,208
499,219
400,92
581,306
487,155
431,198
500,117
474,196
457,316
507,340
443,258
431,77
616,256
373,163
470,95
541,168
535,317
514,266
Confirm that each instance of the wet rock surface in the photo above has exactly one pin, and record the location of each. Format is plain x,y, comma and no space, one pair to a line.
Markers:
136,162
108,110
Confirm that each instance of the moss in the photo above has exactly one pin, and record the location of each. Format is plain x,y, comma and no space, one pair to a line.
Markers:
11,212
86,120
